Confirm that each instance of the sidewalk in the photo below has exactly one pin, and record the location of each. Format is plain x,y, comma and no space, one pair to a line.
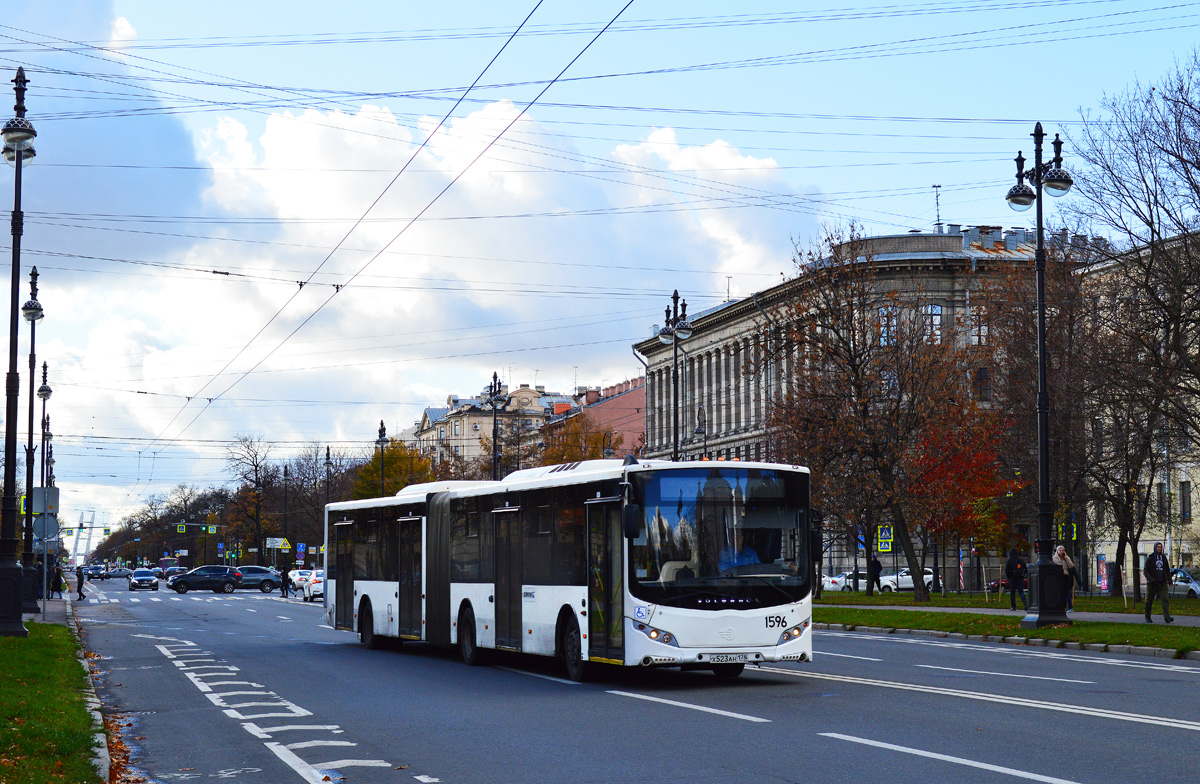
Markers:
57,611
1180,620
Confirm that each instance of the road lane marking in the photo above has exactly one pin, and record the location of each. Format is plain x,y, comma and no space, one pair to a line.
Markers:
1004,674
691,706
306,771
135,599
538,675
1017,650
1021,774
848,656
1016,702
308,744
267,732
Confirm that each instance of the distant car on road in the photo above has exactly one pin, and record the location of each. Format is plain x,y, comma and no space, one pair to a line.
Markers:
120,573
314,586
143,578
998,586
844,581
218,579
95,572
902,581
296,578
261,577
1184,584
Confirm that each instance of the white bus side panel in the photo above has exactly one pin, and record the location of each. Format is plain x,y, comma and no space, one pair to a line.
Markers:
481,597
384,605
540,605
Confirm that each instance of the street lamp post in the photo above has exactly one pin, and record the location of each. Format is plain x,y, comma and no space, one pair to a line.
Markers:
702,431
32,310
18,134
495,395
675,329
382,443
43,394
1047,586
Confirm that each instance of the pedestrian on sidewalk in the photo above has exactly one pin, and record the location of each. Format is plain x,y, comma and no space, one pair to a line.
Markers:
876,571
1015,570
1069,572
57,585
79,580
1158,582
283,584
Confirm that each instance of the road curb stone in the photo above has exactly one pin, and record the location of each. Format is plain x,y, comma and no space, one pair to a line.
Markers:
100,758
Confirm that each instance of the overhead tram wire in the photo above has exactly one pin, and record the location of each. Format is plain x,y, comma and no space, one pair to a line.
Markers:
350,231
410,223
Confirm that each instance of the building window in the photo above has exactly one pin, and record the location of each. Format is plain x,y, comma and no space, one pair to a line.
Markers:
887,325
933,323
1185,502
979,327
456,428
982,385
442,432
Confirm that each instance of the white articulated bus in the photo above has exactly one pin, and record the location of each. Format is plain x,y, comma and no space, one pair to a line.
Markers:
652,563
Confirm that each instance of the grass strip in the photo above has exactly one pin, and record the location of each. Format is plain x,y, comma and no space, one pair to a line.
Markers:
1178,638
45,727
1083,603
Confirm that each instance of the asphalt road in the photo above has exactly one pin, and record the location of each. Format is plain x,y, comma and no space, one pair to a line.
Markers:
251,688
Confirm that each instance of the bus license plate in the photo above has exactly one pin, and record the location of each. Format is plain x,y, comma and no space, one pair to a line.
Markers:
728,658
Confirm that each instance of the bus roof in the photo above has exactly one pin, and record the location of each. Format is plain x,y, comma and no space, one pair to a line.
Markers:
569,473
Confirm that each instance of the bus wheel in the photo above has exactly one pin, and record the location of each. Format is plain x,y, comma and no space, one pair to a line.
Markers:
366,627
572,653
728,671
467,644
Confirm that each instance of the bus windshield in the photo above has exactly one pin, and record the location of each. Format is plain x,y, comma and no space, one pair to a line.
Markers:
720,537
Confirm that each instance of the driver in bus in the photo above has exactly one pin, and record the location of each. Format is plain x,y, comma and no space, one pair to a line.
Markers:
737,554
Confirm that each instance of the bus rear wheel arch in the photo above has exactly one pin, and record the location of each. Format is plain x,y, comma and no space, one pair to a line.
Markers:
571,649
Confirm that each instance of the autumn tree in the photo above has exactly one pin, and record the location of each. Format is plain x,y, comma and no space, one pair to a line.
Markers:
875,382
577,438
400,464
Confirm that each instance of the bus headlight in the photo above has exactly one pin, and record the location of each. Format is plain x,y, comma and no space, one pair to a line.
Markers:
658,635
792,633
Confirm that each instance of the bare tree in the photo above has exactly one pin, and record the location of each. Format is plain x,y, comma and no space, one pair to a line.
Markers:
247,459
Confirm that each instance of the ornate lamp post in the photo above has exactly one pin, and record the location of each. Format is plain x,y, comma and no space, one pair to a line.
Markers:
32,310
44,393
675,329
702,430
382,443
18,136
495,395
1047,588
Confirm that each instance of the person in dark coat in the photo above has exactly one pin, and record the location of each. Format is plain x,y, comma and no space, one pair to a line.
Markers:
1158,582
57,581
283,583
876,571
1015,570
79,580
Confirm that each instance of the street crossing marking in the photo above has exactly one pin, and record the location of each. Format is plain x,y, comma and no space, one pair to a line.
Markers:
1021,774
536,675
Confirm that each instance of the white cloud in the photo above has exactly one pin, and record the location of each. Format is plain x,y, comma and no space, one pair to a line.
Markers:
121,34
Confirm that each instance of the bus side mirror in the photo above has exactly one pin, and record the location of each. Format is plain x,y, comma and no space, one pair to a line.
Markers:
631,520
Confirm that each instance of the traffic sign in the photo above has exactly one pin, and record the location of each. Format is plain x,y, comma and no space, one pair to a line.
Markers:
220,546
181,528
45,526
885,532
300,547
885,546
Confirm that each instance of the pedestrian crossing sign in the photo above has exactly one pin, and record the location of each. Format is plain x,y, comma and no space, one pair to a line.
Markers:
885,545
181,528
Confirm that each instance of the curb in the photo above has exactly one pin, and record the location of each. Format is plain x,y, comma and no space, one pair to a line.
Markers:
100,759
1098,647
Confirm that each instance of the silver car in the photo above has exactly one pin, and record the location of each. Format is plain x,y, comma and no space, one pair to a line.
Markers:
1184,585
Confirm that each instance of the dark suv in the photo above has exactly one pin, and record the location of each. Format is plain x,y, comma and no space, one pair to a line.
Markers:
218,579
260,577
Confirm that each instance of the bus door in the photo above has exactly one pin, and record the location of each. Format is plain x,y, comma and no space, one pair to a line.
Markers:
508,578
606,584
410,577
343,555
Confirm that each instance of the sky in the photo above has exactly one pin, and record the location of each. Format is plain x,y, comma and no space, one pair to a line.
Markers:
271,220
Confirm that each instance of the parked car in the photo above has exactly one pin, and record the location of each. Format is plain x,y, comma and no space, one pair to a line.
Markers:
296,578
902,581
314,586
1184,584
263,578
218,579
143,578
998,586
844,581
120,573
94,572
159,572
